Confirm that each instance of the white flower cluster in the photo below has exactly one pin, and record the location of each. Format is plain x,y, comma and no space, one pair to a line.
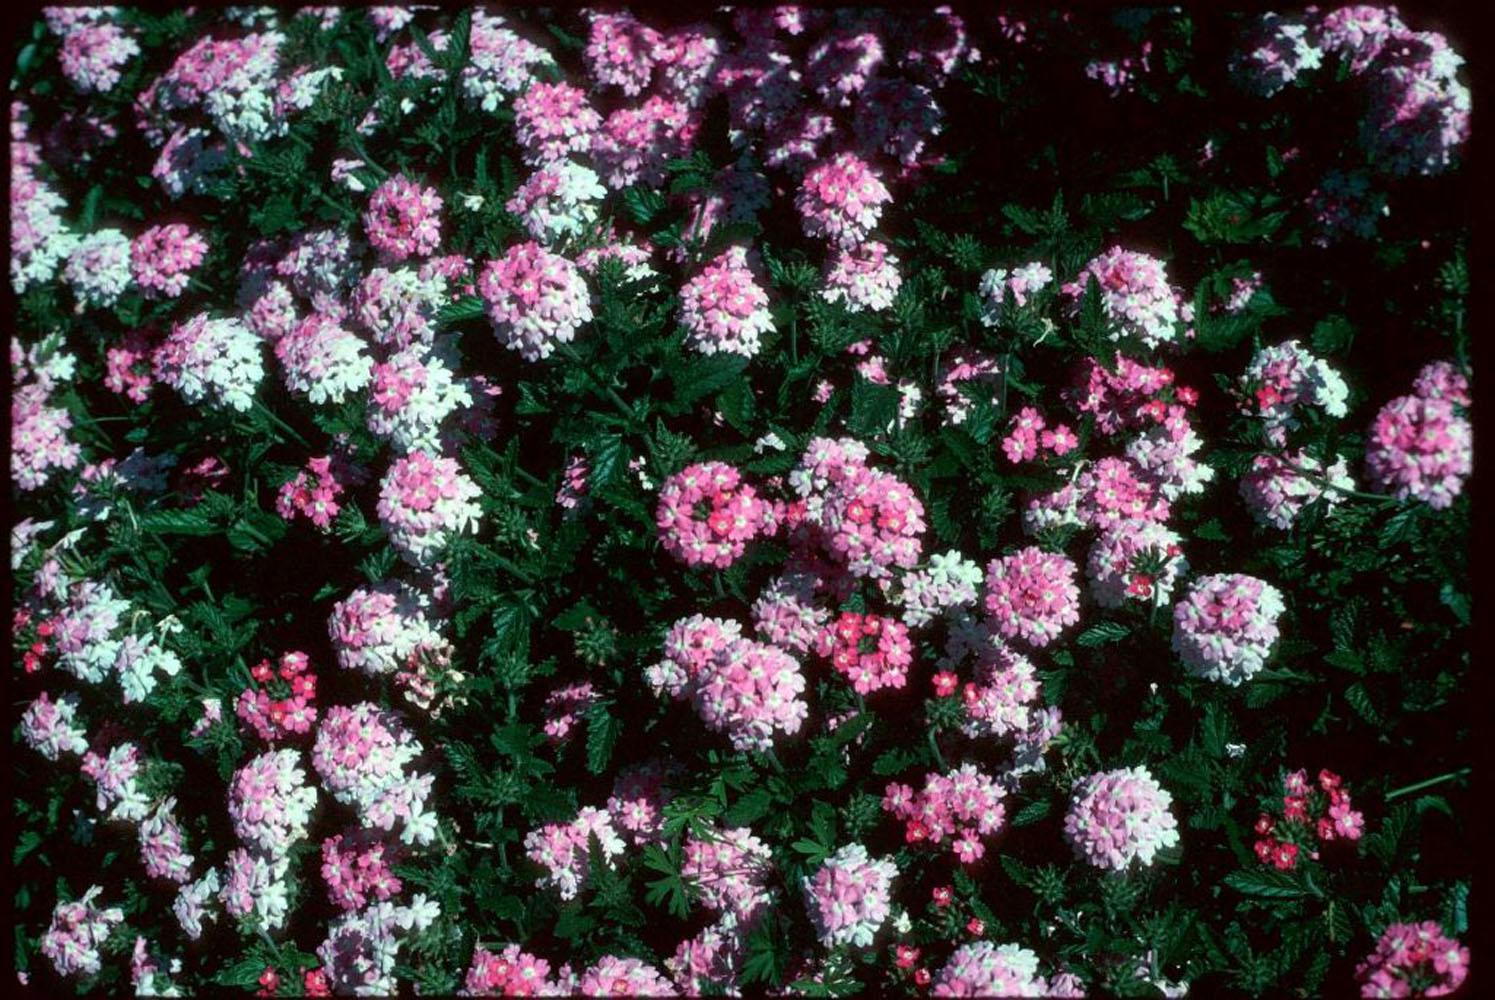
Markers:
214,361
559,199
98,269
949,581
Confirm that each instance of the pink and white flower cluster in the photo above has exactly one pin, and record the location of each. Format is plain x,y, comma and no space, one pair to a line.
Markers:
723,308
424,503
1135,297
983,969
1225,626
1032,595
849,897
1414,960
960,809
78,932
1118,817
536,300
707,515
270,803
363,755
563,850
163,257
1420,446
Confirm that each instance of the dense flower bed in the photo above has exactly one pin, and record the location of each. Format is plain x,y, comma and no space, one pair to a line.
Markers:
783,500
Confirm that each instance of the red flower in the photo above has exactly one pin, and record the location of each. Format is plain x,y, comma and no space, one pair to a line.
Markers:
1328,780
1264,824
943,895
944,683
907,956
315,983
1285,857
975,926
1264,849
922,977
270,980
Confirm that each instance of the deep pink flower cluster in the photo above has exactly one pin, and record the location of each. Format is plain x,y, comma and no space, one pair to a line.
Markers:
871,651
1129,396
1225,626
1420,446
723,308
403,219
1413,960
1117,817
1028,433
356,869
841,199
1323,811
163,257
424,503
960,809
512,972
536,299
635,143
1032,595
871,521
1114,490
283,704
707,515
313,492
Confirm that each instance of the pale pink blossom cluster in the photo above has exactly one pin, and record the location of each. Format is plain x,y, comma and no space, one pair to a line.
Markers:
117,793
213,361
77,934
51,727
1225,626
1022,283
403,219
841,199
93,54
270,803
864,277
413,394
1135,297
1121,816
723,308
563,851
730,869
575,484
620,52
39,237
1420,446
163,846
1413,960
1032,595
98,269
553,120
612,976
959,809
1277,488
1135,560
39,442
984,969
363,755
968,375
871,522
425,502
707,515
398,307
324,360
1113,490
637,803
163,257
849,897
744,689
559,199
947,583
1283,377
536,299
500,62
786,615
564,708
871,651
378,630
360,953
635,143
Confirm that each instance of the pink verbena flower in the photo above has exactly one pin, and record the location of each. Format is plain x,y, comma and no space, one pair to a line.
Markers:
1134,296
216,361
984,969
635,143
749,692
323,359
841,199
51,729
403,219
1032,595
563,850
92,55
559,199
871,651
356,869
958,809
1135,560
424,503
863,277
849,897
77,933
376,630
1421,447
536,299
1117,817
510,972
552,120
613,976
1418,119
162,257
1225,626
707,515
1413,960
1113,490
873,522
1276,492
270,803
723,308
364,755
163,846
786,615
620,52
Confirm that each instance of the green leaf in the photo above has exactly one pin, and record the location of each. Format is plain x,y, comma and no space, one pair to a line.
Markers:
603,729
1102,633
1267,884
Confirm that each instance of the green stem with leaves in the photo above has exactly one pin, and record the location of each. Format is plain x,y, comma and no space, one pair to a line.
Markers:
1429,783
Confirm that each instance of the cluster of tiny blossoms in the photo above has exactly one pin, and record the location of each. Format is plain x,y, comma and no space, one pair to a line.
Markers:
283,706
1032,595
1117,817
424,503
1225,626
163,257
723,309
1135,297
707,515
871,651
1310,812
362,754
983,969
563,849
959,809
78,932
849,897
1420,445
1414,960
536,300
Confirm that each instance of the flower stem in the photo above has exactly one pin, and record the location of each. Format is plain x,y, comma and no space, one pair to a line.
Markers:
606,390
1429,783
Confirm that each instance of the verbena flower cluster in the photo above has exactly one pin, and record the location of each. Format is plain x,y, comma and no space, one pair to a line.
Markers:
741,501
